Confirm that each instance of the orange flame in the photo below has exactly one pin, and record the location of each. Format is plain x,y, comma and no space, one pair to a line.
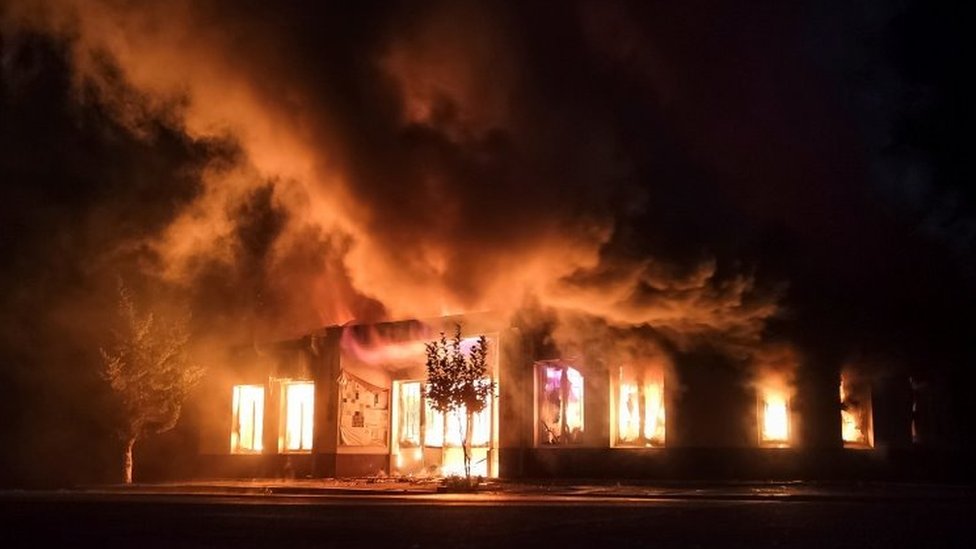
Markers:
633,399
774,417
299,402
855,414
248,405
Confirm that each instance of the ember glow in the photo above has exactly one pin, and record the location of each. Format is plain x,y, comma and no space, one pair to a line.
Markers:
774,417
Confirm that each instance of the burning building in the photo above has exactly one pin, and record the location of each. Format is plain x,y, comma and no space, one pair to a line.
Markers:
351,401
281,167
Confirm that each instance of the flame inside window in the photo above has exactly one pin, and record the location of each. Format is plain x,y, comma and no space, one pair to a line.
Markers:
774,418
248,432
481,427
855,413
298,406
442,431
421,427
410,413
560,404
640,409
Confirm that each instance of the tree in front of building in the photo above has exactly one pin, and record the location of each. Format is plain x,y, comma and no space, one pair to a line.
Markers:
458,382
149,369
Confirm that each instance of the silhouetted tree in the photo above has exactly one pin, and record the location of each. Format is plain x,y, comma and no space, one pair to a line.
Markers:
150,371
456,382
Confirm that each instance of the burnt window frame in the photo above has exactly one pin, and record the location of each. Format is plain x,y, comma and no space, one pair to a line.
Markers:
541,430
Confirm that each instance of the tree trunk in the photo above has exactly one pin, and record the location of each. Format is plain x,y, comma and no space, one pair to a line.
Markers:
563,406
641,409
127,461
466,445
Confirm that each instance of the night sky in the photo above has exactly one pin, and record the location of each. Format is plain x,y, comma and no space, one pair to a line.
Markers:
725,174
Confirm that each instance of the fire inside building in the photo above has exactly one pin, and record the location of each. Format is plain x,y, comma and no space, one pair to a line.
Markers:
350,401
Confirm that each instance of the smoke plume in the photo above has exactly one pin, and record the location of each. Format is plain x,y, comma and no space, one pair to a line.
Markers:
421,167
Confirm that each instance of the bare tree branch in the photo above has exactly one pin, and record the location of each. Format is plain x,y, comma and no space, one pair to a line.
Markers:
150,370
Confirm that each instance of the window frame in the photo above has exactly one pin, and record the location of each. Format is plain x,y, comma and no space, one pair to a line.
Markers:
863,390
657,377
541,430
761,400
283,433
257,420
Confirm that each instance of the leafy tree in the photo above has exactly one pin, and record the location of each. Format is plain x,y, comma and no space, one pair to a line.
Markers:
459,383
150,371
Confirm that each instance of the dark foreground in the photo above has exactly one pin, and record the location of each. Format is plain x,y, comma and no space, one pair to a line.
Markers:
74,519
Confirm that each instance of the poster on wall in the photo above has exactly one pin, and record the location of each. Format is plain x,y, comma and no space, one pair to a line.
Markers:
364,412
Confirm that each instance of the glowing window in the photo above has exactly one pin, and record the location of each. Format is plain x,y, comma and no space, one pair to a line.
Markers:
298,403
436,425
481,427
640,408
248,431
774,417
855,412
560,404
433,426
409,412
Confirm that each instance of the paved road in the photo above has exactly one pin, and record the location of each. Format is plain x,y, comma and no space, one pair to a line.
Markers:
107,520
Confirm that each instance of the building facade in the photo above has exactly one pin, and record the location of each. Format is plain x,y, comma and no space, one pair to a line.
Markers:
349,401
